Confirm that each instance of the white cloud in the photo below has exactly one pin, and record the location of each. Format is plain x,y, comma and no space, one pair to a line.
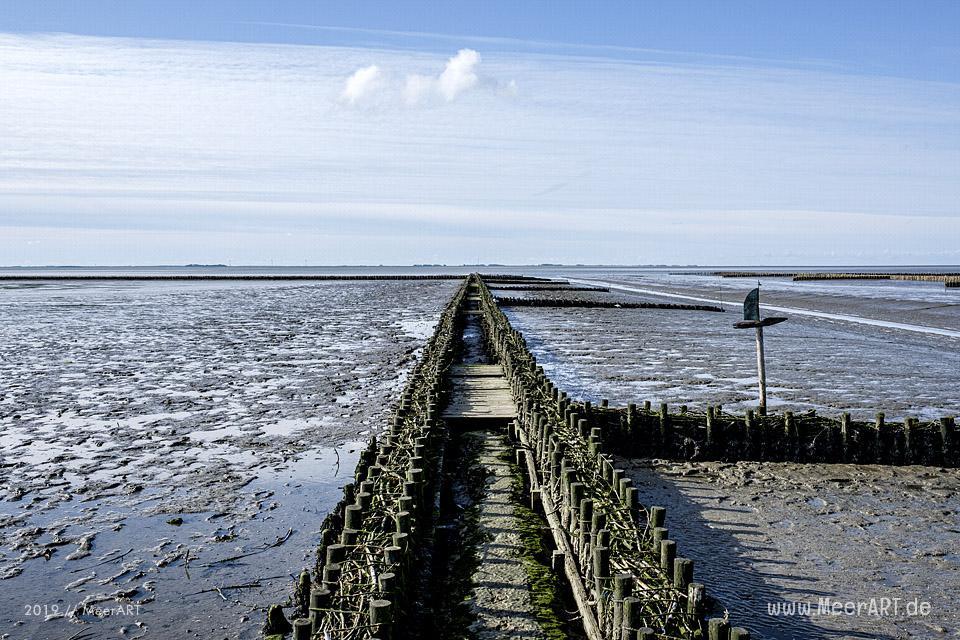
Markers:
459,74
362,83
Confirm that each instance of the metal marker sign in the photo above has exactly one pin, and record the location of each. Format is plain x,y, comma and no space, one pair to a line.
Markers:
752,320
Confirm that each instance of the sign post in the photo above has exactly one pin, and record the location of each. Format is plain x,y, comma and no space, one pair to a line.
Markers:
752,320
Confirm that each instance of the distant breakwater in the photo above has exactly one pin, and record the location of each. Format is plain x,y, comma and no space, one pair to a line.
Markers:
258,277
950,280
505,301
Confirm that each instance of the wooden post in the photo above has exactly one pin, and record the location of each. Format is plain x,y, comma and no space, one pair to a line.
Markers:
682,573
622,588
846,441
659,535
657,517
353,517
319,600
886,444
947,426
663,436
718,629
601,568
668,552
331,576
712,443
336,553
791,448
696,595
380,618
908,444
388,583
302,629
761,372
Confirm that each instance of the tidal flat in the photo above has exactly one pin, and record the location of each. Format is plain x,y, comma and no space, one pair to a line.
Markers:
169,450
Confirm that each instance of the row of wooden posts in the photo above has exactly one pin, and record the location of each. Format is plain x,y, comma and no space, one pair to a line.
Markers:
366,562
622,566
553,285
505,301
682,434
949,279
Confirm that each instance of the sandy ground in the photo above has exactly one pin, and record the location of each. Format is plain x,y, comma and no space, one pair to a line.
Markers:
767,535
150,432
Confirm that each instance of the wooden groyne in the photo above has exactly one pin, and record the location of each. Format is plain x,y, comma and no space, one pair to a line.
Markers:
949,279
546,287
917,277
680,434
615,555
626,577
367,561
505,301
625,571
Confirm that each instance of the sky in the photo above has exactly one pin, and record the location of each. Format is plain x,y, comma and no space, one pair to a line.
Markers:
811,133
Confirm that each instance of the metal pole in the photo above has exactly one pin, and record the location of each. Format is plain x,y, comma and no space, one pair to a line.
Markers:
761,372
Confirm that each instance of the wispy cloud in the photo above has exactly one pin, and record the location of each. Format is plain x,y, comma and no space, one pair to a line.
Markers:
500,43
710,161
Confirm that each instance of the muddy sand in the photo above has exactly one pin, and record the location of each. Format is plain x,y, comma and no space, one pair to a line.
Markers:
766,535
168,451
697,358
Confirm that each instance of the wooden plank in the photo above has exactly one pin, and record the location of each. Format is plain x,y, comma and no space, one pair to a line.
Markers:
480,391
474,370
572,571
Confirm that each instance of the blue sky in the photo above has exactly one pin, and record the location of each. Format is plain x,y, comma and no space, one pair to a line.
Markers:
358,132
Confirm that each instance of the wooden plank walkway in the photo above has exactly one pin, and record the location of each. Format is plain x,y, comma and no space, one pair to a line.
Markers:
480,391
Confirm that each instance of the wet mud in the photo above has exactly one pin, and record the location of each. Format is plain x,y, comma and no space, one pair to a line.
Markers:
766,535
169,450
698,359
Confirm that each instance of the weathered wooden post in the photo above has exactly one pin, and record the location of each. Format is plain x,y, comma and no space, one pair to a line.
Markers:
752,320
947,426
381,617
302,629
718,629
